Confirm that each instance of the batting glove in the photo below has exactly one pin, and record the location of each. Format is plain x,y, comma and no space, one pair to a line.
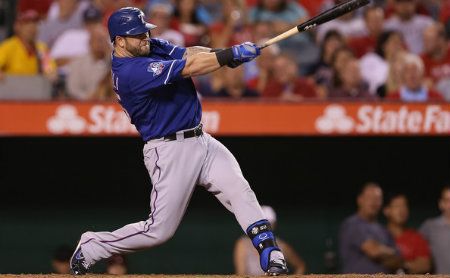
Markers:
245,52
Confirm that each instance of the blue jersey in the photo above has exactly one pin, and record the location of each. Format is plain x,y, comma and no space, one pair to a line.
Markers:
152,91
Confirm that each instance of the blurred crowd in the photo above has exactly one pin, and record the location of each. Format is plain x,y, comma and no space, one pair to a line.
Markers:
365,245
392,49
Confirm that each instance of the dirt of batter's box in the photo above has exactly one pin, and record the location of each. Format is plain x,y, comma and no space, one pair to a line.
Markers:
219,276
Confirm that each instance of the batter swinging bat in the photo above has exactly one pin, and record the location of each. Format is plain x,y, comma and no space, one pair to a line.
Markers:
326,16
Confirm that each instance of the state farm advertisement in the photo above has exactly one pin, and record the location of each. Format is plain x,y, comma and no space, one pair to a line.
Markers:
234,119
378,119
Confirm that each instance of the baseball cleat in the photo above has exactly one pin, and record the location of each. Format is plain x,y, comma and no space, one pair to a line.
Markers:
78,264
277,267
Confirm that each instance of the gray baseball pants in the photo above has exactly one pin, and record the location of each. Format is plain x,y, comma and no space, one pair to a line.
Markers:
175,168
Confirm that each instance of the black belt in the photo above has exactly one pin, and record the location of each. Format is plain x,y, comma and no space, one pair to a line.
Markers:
186,134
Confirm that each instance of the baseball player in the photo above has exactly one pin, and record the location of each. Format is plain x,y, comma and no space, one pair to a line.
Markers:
152,79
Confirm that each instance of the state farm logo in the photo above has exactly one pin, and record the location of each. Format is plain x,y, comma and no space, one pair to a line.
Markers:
100,119
378,119
66,119
334,119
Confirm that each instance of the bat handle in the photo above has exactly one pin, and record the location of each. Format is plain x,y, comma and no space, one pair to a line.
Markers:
280,37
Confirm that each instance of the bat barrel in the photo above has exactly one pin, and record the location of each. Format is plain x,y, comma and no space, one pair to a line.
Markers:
326,16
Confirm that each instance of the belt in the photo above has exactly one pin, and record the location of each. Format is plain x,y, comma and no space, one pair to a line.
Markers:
195,132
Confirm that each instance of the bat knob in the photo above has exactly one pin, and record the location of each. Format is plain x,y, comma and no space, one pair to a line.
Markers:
262,46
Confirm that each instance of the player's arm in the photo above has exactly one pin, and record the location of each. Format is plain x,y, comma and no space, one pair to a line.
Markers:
205,62
194,50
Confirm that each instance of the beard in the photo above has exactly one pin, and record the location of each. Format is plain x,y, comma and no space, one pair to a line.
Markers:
139,51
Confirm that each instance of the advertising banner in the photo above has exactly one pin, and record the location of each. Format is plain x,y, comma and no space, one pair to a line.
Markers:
235,119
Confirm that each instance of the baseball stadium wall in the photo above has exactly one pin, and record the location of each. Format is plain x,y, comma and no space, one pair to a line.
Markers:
67,168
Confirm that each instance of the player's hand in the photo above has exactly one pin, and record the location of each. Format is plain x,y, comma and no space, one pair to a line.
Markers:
245,52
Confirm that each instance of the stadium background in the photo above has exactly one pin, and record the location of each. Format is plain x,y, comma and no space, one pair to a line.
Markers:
54,188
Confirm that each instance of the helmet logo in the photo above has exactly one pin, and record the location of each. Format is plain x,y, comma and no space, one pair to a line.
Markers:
124,20
141,16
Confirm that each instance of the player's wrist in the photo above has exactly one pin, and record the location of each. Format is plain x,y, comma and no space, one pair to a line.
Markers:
214,50
225,56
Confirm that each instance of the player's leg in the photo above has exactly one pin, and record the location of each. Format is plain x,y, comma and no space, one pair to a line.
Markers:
222,176
174,168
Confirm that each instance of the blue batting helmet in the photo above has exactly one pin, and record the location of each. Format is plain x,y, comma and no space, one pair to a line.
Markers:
128,21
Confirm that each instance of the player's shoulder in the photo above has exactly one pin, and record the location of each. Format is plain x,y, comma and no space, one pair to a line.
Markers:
160,42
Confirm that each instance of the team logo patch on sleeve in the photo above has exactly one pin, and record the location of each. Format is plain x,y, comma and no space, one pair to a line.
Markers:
156,68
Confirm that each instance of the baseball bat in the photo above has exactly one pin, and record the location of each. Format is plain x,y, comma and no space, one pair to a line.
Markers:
324,17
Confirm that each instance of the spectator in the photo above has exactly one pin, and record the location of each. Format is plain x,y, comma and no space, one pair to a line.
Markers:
349,25
22,54
437,232
323,71
413,247
61,260
212,10
160,14
410,24
437,58
444,16
74,42
374,20
63,15
375,65
348,83
187,21
283,15
413,88
87,72
339,59
233,28
234,85
246,258
107,7
286,83
261,32
365,245
313,7
264,71
117,265
41,6
393,81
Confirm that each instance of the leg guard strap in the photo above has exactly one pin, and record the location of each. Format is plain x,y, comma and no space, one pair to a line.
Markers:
263,240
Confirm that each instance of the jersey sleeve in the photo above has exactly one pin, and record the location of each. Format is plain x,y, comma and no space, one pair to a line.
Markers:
146,74
175,51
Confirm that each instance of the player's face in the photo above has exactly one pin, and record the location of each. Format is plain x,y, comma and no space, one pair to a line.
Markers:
138,45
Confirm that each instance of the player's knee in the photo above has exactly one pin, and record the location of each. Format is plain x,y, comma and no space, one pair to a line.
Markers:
87,236
164,234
